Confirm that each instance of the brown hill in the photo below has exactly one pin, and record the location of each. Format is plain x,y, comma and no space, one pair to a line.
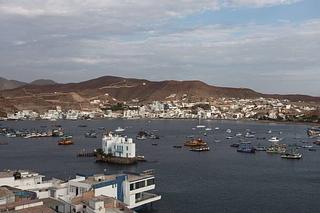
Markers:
10,84
113,89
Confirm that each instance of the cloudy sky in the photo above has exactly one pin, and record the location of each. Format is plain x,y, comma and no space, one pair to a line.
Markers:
272,46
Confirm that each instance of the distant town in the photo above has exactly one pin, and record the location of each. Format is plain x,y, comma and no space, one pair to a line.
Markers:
221,108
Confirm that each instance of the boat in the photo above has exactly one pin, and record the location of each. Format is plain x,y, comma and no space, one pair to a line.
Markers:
307,146
313,132
317,143
82,125
249,135
153,136
91,134
228,131
229,137
274,139
154,144
312,149
261,148
217,128
142,135
177,146
217,141
235,145
276,149
119,129
65,141
239,134
200,149
291,155
208,129
195,143
269,132
246,147
11,135
200,126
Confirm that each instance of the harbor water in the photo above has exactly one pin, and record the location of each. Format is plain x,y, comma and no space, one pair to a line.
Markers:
220,180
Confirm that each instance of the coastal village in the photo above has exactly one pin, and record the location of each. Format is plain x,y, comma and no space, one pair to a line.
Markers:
222,108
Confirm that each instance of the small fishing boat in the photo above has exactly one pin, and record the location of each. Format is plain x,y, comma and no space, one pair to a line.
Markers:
274,139
291,155
195,143
249,135
276,149
235,145
119,129
208,129
228,131
65,141
200,126
261,148
142,135
246,147
317,143
200,149
91,134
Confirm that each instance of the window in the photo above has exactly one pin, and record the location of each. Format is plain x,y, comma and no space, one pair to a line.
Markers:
138,196
140,184
150,182
127,148
132,186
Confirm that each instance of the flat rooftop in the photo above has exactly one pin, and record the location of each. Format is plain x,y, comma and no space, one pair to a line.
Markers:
10,173
99,178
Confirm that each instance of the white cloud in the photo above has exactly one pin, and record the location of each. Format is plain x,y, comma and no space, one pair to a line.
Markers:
128,8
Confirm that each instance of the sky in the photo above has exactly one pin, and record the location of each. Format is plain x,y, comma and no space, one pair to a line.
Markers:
271,46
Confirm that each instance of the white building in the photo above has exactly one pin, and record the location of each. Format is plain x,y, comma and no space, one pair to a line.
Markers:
118,146
129,188
27,180
97,193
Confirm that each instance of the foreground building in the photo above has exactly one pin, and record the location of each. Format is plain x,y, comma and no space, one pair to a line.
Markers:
88,194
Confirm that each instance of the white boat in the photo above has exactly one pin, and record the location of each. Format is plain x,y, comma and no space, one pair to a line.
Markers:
269,132
119,129
217,128
200,126
248,135
208,129
238,134
291,156
228,131
274,139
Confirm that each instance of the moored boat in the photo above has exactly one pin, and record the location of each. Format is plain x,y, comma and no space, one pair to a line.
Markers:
313,131
246,147
274,139
200,149
195,143
291,155
65,141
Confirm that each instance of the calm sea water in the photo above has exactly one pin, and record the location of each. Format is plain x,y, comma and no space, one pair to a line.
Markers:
221,180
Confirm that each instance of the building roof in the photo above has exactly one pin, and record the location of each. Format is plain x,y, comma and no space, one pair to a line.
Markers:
37,209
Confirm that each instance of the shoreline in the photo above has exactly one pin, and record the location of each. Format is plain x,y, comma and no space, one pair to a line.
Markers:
154,119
